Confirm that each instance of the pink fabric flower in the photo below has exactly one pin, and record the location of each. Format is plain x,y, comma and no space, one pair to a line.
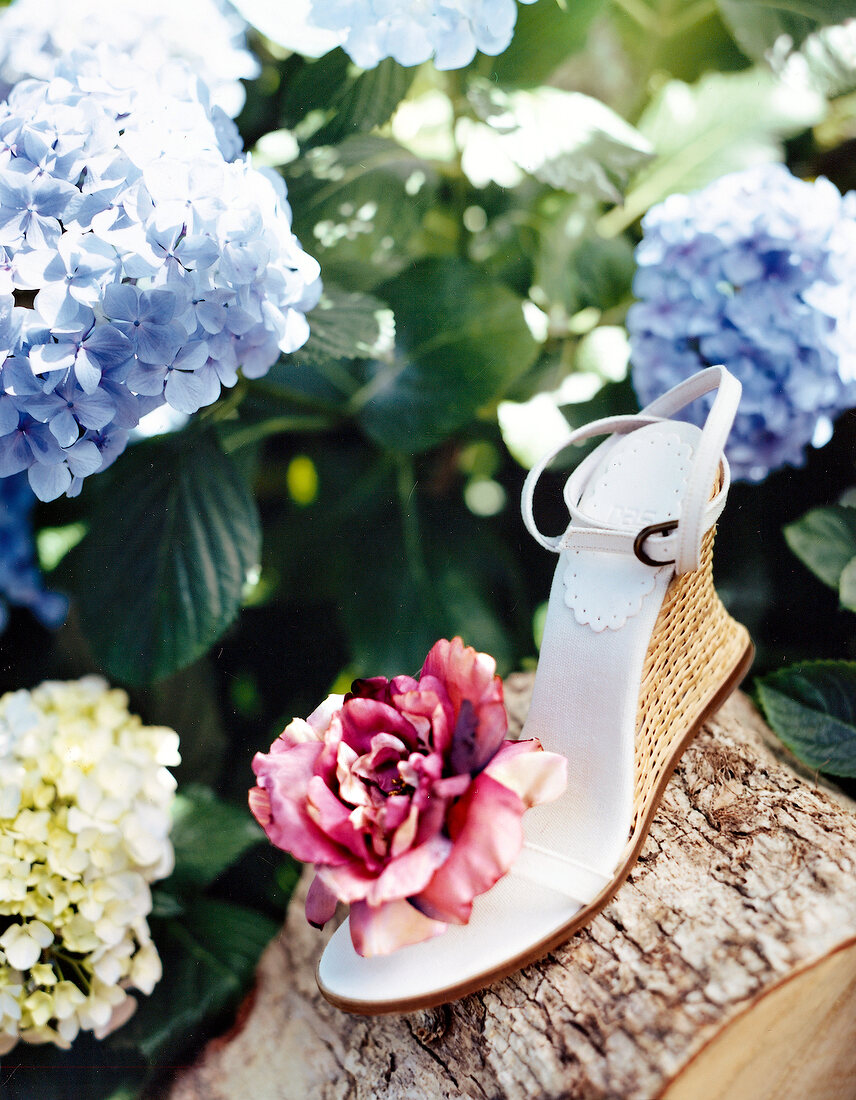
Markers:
406,796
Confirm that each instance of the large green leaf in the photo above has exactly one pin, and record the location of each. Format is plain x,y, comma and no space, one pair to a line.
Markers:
367,102
826,60
824,539
576,269
812,707
462,339
315,85
358,205
208,835
546,34
347,325
437,573
568,140
189,701
160,575
209,957
724,123
847,585
830,56
756,24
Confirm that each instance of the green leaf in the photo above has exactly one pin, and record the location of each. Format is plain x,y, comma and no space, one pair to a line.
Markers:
812,707
590,149
348,325
756,24
826,59
462,339
574,267
366,103
546,34
847,585
824,539
165,905
93,1069
209,958
208,835
160,575
189,701
724,123
315,85
438,573
612,399
358,206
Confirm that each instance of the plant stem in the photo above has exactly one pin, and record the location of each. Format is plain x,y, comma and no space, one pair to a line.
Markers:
687,19
223,409
253,433
406,483
640,13
293,397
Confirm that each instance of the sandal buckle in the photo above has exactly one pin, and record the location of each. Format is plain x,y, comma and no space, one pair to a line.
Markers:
665,528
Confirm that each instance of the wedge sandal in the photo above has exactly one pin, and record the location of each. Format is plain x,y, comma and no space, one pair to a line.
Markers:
637,652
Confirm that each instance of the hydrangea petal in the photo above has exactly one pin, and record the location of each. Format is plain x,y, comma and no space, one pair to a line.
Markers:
756,271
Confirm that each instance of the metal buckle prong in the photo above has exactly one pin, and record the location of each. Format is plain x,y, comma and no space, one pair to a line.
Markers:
665,528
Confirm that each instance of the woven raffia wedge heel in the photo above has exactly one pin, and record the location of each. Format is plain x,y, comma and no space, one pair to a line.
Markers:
698,655
637,652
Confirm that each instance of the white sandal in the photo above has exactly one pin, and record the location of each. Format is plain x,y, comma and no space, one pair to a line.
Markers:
637,652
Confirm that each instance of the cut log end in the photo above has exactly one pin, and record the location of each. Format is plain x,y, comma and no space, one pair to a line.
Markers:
725,968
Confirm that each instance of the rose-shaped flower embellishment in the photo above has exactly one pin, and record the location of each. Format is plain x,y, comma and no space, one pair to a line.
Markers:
406,796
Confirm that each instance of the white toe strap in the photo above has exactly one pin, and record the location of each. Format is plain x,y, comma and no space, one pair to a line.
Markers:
555,871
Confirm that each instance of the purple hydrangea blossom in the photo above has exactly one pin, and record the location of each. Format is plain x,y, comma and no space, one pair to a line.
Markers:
141,262
208,35
20,581
758,272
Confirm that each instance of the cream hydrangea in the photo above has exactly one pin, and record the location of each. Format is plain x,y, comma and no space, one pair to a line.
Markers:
85,800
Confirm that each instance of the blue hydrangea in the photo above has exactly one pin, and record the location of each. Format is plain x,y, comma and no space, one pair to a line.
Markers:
411,31
208,35
757,271
21,583
143,261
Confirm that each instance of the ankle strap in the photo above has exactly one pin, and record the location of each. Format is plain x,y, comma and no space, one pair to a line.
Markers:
698,510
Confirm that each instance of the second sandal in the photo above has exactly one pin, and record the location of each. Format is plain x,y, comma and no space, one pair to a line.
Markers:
637,652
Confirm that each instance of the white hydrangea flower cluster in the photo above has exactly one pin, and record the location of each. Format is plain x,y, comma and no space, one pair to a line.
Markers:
410,31
207,34
143,260
85,800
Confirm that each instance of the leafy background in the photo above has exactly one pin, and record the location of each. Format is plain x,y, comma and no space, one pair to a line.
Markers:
336,517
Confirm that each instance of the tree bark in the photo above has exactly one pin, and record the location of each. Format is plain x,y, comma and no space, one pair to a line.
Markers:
724,968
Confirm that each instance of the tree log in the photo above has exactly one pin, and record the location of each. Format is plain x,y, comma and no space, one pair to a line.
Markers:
725,968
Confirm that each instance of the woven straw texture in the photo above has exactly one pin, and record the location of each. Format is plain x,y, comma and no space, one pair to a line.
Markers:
695,647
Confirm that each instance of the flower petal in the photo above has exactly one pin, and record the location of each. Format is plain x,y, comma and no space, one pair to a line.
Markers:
382,929
535,776
429,708
333,817
486,828
475,690
410,873
285,777
320,903
363,718
259,801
